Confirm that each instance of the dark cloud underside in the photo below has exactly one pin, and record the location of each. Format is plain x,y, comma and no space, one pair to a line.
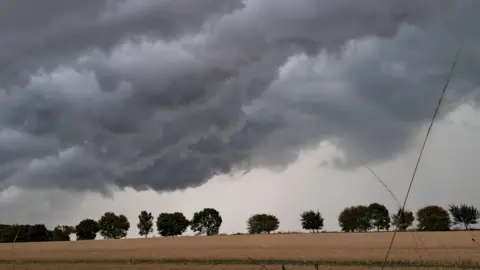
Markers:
167,94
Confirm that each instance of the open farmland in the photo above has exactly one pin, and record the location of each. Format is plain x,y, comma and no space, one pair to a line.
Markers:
337,248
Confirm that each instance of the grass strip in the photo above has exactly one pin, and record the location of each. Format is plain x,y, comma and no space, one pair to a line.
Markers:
462,265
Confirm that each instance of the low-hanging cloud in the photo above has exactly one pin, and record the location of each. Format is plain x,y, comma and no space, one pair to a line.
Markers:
167,94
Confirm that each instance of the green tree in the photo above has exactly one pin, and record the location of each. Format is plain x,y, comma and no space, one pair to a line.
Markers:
38,233
346,220
402,219
355,218
62,233
379,216
25,233
262,223
87,229
145,223
6,233
464,214
311,220
172,224
20,233
207,221
14,233
113,226
433,218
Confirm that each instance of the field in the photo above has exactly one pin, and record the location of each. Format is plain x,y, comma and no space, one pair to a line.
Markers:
335,250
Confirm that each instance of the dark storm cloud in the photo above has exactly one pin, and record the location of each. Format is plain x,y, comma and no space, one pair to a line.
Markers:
197,93
43,33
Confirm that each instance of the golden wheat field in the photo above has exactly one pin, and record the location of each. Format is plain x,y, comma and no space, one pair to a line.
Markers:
433,247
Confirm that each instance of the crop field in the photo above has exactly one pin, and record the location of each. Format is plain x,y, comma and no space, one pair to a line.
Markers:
297,251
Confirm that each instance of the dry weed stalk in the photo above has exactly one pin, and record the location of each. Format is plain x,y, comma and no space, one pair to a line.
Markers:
423,147
417,239
475,241
471,234
12,251
414,232
384,186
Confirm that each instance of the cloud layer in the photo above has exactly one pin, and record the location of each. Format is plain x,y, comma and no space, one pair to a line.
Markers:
167,94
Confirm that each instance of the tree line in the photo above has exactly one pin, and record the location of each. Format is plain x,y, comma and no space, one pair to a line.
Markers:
362,218
357,218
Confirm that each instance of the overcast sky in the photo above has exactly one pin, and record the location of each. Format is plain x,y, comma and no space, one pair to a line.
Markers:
245,106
